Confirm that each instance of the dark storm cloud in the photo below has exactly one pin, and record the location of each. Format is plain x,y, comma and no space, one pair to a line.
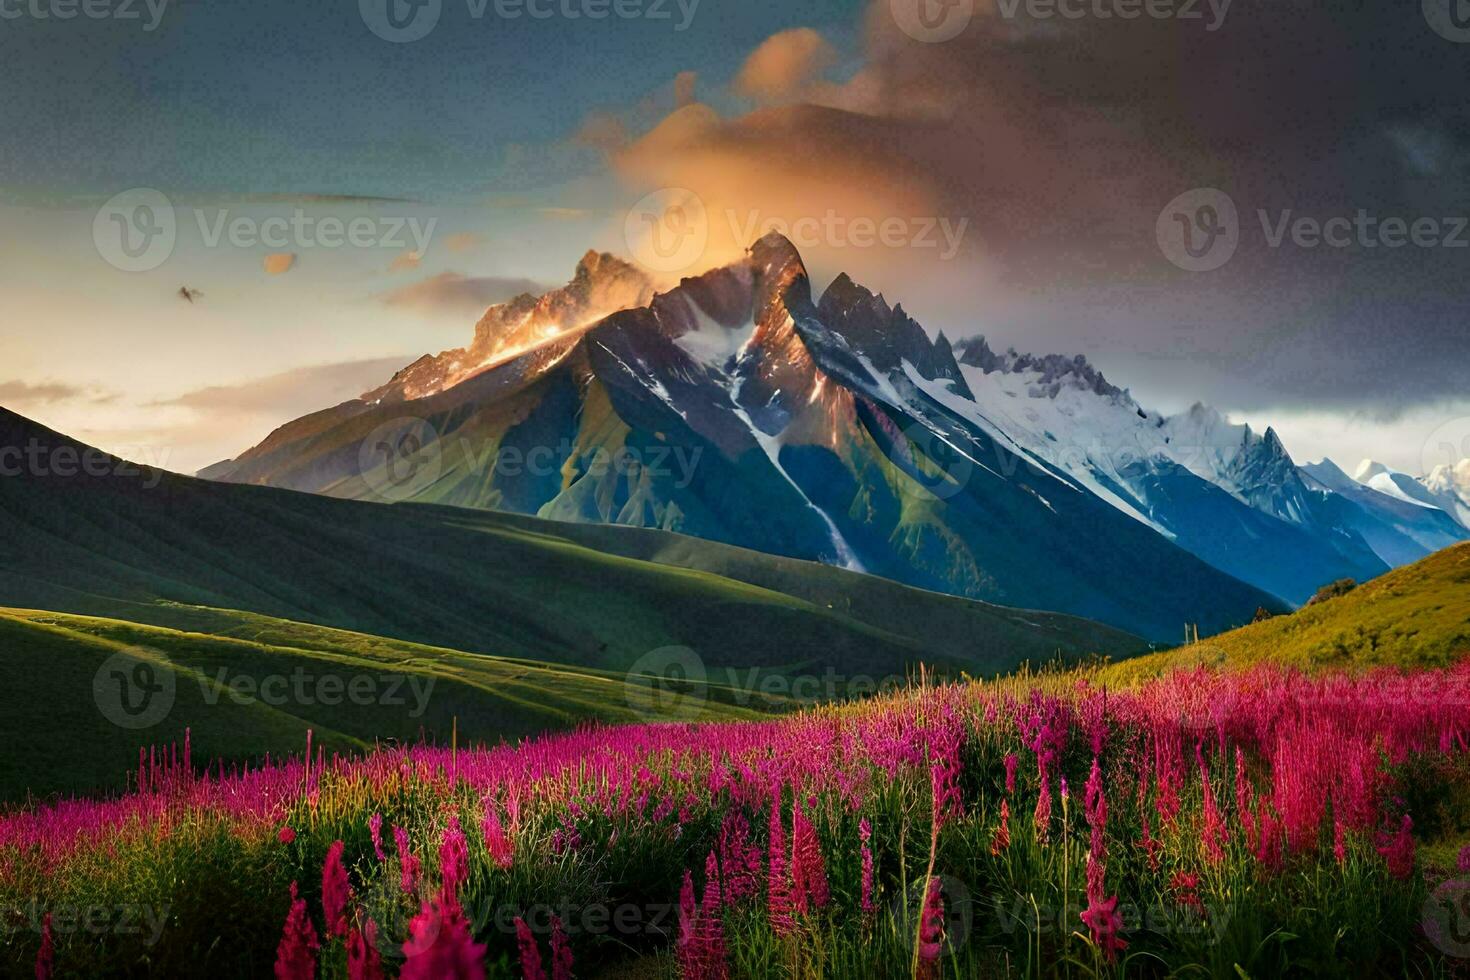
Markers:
1063,140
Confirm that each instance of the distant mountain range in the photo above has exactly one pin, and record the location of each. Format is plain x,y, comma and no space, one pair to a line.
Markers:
740,408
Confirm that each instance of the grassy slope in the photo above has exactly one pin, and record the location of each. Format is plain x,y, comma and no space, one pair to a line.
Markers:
1415,616
59,741
114,546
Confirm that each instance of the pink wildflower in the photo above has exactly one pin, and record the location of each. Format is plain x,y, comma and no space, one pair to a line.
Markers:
1213,833
1002,837
712,902
740,858
46,955
441,947
1042,816
454,862
375,827
1012,761
1102,919
1268,836
931,930
364,962
1464,863
296,953
336,891
1186,887
1397,848
1151,844
497,842
808,872
701,943
778,882
865,835
286,835
1094,801
408,864
531,968
561,952
1243,794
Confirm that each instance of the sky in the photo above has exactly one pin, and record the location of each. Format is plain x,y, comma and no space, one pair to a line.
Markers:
1034,168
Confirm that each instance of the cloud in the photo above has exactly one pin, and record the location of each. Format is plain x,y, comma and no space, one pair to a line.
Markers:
405,262
451,293
684,84
289,394
784,65
603,131
1060,142
463,241
278,263
52,392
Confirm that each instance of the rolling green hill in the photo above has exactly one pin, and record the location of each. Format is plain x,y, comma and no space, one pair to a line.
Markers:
522,624
120,544
1415,616
62,735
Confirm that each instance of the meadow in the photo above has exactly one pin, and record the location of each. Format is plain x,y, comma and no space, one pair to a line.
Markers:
1258,823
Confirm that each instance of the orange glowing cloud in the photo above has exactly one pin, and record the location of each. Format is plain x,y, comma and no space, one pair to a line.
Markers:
279,263
782,68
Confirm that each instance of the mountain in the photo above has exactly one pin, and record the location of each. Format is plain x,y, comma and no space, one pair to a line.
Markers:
1228,495
1415,616
111,539
1450,485
1399,530
1446,488
739,409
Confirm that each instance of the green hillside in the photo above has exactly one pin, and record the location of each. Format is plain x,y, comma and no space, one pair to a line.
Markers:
124,544
61,729
522,624
1415,616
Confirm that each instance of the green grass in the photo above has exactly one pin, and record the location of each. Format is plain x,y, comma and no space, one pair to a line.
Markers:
1415,616
60,741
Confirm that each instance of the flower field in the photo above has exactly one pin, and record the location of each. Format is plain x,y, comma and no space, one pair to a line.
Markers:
1258,824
